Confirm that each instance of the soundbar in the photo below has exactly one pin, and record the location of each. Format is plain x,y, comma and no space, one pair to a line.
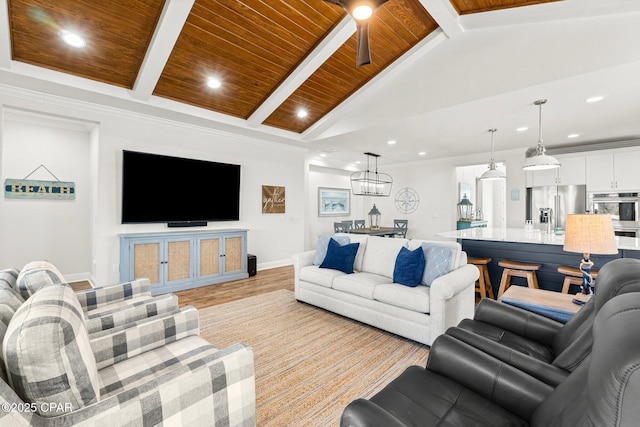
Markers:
187,224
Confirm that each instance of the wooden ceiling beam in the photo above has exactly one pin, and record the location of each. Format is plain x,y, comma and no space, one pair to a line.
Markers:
174,15
336,38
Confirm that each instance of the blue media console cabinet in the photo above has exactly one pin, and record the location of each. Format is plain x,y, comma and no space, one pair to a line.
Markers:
175,261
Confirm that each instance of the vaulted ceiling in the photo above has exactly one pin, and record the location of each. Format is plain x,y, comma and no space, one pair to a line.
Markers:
272,58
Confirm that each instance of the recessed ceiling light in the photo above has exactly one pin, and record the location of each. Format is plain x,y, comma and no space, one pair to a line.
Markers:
302,113
522,129
323,154
391,142
422,153
72,39
214,83
595,99
573,135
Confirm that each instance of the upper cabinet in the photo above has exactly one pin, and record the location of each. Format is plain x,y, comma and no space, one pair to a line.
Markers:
572,171
614,171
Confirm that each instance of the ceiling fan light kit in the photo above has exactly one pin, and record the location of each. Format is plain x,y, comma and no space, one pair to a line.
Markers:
361,11
540,160
493,172
368,183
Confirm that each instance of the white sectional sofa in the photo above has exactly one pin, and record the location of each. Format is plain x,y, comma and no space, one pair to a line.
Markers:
369,295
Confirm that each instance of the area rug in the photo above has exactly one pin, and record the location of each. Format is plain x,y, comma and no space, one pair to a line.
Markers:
309,363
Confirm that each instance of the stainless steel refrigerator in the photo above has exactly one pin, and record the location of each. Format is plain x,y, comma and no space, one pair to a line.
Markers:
561,200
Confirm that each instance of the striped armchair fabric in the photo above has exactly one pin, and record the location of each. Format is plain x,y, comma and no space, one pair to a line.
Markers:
158,372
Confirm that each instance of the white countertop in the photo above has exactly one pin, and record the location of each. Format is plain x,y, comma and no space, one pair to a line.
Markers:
517,235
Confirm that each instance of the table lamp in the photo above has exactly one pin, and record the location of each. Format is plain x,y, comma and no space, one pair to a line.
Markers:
589,234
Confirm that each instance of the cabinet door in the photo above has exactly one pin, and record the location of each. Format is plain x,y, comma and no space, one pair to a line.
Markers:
235,258
627,171
572,171
209,256
146,261
546,177
600,172
178,260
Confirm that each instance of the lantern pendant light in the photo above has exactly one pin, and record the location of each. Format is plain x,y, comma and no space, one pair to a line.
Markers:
493,172
540,160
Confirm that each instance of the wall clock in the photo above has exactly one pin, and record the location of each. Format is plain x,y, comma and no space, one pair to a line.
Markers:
407,200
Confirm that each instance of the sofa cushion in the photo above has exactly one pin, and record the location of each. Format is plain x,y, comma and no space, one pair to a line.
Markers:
362,239
409,267
9,277
438,261
47,351
340,257
10,301
35,275
323,245
380,255
319,276
416,298
361,284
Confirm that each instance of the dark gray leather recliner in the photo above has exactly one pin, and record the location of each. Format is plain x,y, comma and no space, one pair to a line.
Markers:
463,386
541,346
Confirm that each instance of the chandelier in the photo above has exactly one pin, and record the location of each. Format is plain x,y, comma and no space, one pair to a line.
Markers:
371,183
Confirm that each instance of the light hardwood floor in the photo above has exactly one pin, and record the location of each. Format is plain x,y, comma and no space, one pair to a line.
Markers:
205,296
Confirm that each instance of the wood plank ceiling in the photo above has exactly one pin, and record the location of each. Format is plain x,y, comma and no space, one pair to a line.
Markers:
251,46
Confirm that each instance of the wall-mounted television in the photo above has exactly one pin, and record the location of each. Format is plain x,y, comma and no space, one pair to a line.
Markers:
178,191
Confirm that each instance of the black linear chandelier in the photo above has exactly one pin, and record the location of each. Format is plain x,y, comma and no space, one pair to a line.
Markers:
367,183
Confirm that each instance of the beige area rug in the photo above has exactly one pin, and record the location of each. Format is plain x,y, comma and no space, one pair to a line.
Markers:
309,363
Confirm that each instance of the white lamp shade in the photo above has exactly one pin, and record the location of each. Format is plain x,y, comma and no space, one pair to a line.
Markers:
540,162
493,173
590,234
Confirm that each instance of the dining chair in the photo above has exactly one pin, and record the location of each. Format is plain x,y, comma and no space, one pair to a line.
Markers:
359,223
401,226
341,227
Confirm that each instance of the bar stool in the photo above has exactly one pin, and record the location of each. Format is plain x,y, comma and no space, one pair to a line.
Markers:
517,269
573,276
483,284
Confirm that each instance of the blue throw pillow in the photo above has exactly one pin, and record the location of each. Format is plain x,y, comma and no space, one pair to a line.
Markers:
409,267
340,257
438,261
323,244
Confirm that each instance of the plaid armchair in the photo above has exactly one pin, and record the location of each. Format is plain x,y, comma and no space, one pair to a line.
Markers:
159,372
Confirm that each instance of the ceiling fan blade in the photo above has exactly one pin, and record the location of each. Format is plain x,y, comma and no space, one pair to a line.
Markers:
363,54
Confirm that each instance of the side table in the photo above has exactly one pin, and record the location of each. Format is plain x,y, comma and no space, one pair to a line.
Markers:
555,305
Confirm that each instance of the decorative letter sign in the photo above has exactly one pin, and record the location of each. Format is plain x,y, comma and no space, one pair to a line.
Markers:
273,199
32,189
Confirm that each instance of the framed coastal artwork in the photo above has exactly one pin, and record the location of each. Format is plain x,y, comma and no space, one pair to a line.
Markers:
334,201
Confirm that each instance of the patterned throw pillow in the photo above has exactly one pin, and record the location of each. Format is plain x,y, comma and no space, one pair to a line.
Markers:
323,245
438,261
340,257
409,267
35,275
47,351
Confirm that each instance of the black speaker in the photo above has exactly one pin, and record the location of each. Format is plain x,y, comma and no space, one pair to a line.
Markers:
252,265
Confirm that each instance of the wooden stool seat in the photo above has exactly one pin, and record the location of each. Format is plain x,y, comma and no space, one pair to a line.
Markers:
517,269
573,276
483,284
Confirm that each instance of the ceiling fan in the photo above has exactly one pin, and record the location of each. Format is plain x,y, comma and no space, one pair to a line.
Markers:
361,11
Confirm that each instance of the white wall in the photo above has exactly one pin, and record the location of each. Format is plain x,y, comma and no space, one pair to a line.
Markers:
273,238
46,229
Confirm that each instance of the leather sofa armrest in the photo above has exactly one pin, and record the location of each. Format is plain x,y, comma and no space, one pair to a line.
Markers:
545,372
517,320
364,413
493,379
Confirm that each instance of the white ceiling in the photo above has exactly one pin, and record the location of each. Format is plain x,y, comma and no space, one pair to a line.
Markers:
478,72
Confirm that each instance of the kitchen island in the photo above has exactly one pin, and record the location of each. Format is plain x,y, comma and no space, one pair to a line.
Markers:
532,246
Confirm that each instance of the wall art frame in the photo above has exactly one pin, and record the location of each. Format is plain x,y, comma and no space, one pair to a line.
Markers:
334,201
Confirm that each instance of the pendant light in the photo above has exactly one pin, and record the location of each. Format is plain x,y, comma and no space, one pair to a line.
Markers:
540,160
367,183
493,172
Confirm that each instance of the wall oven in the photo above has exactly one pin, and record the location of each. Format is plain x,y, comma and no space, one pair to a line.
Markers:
623,208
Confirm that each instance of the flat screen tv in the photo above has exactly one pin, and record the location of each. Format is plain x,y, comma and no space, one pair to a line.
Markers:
178,191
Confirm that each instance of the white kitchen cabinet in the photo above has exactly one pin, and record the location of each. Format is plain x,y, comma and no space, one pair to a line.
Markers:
614,171
572,171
